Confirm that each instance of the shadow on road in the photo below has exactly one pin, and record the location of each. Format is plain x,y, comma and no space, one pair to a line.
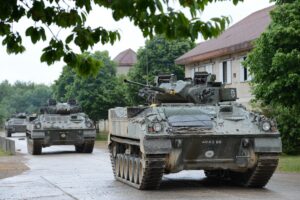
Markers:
204,183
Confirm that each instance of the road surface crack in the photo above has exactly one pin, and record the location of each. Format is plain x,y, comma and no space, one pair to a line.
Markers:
59,188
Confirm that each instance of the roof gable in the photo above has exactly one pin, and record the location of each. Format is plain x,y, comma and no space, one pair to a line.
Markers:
236,38
126,58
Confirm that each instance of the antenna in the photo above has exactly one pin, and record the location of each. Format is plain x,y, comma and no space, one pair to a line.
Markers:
147,71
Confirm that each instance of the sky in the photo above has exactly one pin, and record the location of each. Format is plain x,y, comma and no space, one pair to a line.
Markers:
27,66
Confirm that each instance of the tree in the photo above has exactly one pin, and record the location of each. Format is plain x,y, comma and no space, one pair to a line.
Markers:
5,92
151,16
64,83
157,57
275,62
95,94
21,97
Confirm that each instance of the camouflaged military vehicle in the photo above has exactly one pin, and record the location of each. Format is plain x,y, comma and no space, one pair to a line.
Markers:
16,124
60,124
192,124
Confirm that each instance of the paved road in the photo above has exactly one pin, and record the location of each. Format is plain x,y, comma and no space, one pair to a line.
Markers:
61,174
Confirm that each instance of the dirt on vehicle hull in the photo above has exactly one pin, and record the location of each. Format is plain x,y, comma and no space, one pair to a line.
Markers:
192,125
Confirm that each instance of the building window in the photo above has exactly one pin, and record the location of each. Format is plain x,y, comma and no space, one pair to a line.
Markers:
244,72
225,72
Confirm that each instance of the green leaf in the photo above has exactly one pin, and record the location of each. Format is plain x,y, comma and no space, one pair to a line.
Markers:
69,38
71,59
4,29
149,16
42,33
13,42
159,6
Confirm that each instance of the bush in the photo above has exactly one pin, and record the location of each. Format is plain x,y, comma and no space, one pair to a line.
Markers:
274,64
288,121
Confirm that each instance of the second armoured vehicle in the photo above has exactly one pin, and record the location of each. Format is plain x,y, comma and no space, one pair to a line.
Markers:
192,124
60,124
17,123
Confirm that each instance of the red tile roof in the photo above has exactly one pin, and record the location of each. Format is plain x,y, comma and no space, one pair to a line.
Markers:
126,58
236,38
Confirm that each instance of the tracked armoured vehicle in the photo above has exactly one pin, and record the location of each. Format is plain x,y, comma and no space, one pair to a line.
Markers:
60,124
192,124
16,124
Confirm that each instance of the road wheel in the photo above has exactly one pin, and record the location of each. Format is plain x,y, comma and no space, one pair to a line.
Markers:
141,172
136,170
126,167
131,169
34,147
88,146
122,166
118,160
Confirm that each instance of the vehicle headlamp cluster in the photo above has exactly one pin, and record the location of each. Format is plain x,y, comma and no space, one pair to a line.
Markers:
37,125
89,124
264,123
266,126
155,127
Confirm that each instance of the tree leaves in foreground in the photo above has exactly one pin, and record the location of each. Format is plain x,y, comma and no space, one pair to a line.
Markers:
21,97
157,57
96,94
275,64
151,16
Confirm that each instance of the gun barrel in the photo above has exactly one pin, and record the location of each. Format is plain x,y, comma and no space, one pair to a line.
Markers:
147,86
135,83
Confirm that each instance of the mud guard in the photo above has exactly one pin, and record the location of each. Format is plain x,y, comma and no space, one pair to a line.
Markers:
156,146
267,145
38,135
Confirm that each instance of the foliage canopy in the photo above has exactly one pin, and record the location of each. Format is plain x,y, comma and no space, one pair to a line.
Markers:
21,97
96,94
275,63
151,16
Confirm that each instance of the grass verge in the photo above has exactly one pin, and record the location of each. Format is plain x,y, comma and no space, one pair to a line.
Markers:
3,153
102,136
289,164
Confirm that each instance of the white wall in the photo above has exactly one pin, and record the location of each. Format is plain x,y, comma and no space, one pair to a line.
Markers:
103,125
123,70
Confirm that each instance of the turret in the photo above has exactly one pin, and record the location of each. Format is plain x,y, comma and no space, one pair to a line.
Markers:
60,108
202,89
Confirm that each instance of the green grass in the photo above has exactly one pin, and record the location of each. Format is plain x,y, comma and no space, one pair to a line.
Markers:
102,136
289,164
3,153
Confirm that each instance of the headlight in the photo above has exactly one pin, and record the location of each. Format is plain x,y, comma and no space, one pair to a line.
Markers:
38,126
157,127
266,126
89,124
